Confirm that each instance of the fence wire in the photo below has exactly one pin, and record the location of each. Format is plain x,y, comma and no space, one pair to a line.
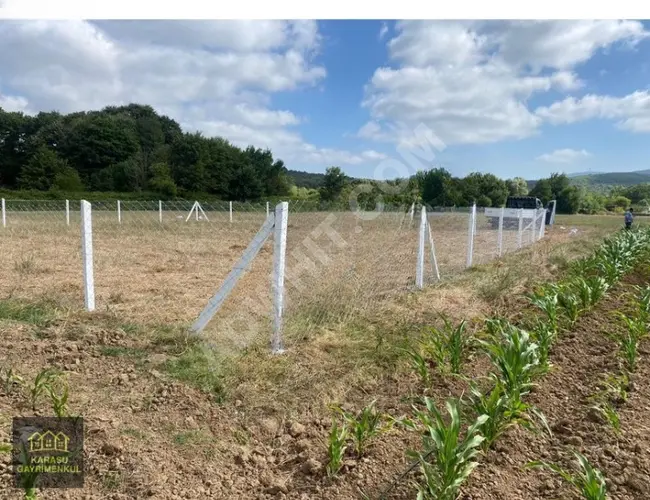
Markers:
160,262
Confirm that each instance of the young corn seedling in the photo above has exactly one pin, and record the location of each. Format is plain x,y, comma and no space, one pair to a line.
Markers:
589,482
365,426
58,392
583,267
10,379
40,385
544,335
628,341
569,303
590,290
27,477
448,346
610,415
494,405
453,455
503,413
420,365
516,359
643,303
547,301
612,270
336,447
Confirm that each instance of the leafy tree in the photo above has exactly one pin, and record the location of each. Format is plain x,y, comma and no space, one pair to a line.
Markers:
333,184
245,184
618,202
517,186
569,200
542,190
437,185
41,170
68,180
161,180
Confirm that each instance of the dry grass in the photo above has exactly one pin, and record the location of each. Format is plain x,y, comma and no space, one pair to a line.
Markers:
350,299
152,273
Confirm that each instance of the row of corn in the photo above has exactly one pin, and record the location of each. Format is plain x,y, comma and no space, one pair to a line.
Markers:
519,355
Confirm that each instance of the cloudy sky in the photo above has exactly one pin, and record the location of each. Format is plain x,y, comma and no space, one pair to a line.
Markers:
511,98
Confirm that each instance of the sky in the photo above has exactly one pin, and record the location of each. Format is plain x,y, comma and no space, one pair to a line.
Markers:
380,99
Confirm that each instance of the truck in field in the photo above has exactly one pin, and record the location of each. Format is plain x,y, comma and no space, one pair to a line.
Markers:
528,206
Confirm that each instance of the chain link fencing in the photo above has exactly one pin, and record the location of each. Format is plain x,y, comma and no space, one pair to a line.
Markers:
161,262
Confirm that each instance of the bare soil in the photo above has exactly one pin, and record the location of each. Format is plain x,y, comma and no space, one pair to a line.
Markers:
152,436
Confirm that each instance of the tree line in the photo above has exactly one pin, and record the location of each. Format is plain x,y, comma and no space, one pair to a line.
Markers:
136,151
130,149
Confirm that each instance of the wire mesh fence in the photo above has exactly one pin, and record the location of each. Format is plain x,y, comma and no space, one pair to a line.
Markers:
159,262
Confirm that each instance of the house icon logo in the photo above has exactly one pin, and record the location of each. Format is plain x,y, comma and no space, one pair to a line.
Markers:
48,441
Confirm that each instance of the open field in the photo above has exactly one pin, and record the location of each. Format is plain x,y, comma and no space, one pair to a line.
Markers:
152,272
168,418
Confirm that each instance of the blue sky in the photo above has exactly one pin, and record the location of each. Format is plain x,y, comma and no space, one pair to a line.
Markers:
510,98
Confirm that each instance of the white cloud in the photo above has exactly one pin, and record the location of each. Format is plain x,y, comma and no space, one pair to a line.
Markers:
632,111
564,156
383,30
470,81
9,103
213,76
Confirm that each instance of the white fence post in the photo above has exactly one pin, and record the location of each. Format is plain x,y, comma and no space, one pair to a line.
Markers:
520,231
67,212
434,260
87,252
470,235
119,212
279,263
500,237
267,208
160,211
412,211
4,214
230,203
419,270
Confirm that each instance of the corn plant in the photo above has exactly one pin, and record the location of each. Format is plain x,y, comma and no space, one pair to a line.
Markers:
516,358
365,425
27,477
448,346
420,365
612,270
546,300
10,379
336,447
590,290
583,267
58,393
41,383
628,341
643,303
453,455
610,415
494,328
570,303
589,482
503,412
544,335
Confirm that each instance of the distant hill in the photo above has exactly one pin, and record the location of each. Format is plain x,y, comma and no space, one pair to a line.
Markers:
598,181
306,179
614,178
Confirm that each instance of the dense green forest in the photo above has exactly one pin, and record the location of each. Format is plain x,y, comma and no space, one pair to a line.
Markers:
136,153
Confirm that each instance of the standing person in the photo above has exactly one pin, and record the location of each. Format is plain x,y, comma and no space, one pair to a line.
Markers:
629,217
